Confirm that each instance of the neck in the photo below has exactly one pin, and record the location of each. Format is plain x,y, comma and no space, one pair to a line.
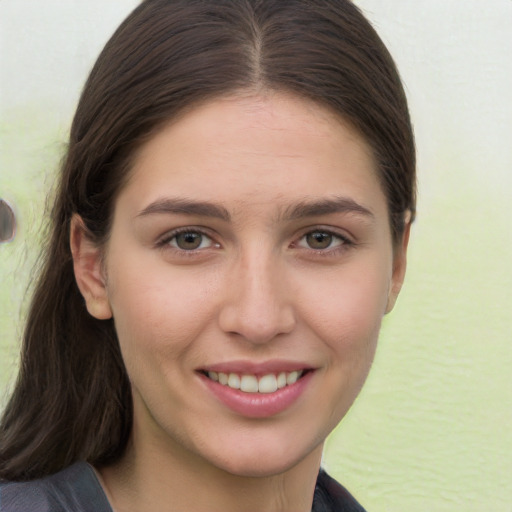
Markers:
147,479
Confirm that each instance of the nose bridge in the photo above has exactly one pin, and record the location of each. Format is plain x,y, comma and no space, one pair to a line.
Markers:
257,307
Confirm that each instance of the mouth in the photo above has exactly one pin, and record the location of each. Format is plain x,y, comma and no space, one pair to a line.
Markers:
258,390
252,383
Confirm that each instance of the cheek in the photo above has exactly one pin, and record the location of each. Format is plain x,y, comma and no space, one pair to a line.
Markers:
157,312
344,317
347,312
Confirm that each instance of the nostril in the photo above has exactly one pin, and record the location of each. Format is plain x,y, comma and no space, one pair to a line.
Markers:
255,328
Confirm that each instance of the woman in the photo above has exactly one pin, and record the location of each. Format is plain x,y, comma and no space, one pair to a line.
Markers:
230,227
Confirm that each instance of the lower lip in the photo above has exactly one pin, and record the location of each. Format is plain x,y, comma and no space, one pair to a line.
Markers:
259,405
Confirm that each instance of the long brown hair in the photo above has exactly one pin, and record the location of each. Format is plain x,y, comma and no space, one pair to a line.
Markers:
72,397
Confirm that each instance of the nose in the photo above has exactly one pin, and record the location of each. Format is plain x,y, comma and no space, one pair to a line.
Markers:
257,304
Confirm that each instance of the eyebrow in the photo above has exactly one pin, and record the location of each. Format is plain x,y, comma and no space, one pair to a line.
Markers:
185,206
320,207
297,211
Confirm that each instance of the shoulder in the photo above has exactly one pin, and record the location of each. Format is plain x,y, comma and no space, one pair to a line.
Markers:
330,496
74,488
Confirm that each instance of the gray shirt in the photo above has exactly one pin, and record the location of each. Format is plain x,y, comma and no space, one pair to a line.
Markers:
75,489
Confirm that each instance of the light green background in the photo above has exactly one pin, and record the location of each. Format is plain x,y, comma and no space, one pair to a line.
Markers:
432,430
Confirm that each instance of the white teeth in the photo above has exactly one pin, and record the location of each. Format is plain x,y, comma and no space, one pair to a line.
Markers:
281,380
234,381
249,384
269,383
292,378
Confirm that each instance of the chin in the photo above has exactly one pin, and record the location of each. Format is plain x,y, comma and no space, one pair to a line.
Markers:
266,460
258,468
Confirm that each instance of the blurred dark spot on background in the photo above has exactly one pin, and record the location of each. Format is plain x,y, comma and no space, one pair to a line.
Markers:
7,222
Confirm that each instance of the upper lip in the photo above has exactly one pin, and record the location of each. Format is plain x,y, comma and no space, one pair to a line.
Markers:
253,368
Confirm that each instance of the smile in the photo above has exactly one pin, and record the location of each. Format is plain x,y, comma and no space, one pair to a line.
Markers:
257,391
268,383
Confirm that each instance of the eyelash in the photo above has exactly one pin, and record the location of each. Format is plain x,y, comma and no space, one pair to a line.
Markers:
165,241
344,242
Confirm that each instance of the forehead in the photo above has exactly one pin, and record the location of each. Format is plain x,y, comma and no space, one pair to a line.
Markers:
273,151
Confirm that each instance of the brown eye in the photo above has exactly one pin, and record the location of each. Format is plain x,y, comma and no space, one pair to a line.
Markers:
190,240
319,240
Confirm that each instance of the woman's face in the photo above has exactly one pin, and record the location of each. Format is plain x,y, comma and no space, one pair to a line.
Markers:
251,248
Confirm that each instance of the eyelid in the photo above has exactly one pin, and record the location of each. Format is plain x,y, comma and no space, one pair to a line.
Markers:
164,240
345,240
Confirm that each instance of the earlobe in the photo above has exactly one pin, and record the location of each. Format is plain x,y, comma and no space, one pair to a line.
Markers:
399,267
87,265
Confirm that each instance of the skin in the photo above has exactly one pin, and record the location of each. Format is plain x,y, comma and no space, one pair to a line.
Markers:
256,288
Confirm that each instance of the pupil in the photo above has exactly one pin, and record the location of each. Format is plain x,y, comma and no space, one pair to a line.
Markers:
188,241
319,240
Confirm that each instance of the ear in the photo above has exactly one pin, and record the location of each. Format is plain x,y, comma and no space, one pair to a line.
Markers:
89,275
399,265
